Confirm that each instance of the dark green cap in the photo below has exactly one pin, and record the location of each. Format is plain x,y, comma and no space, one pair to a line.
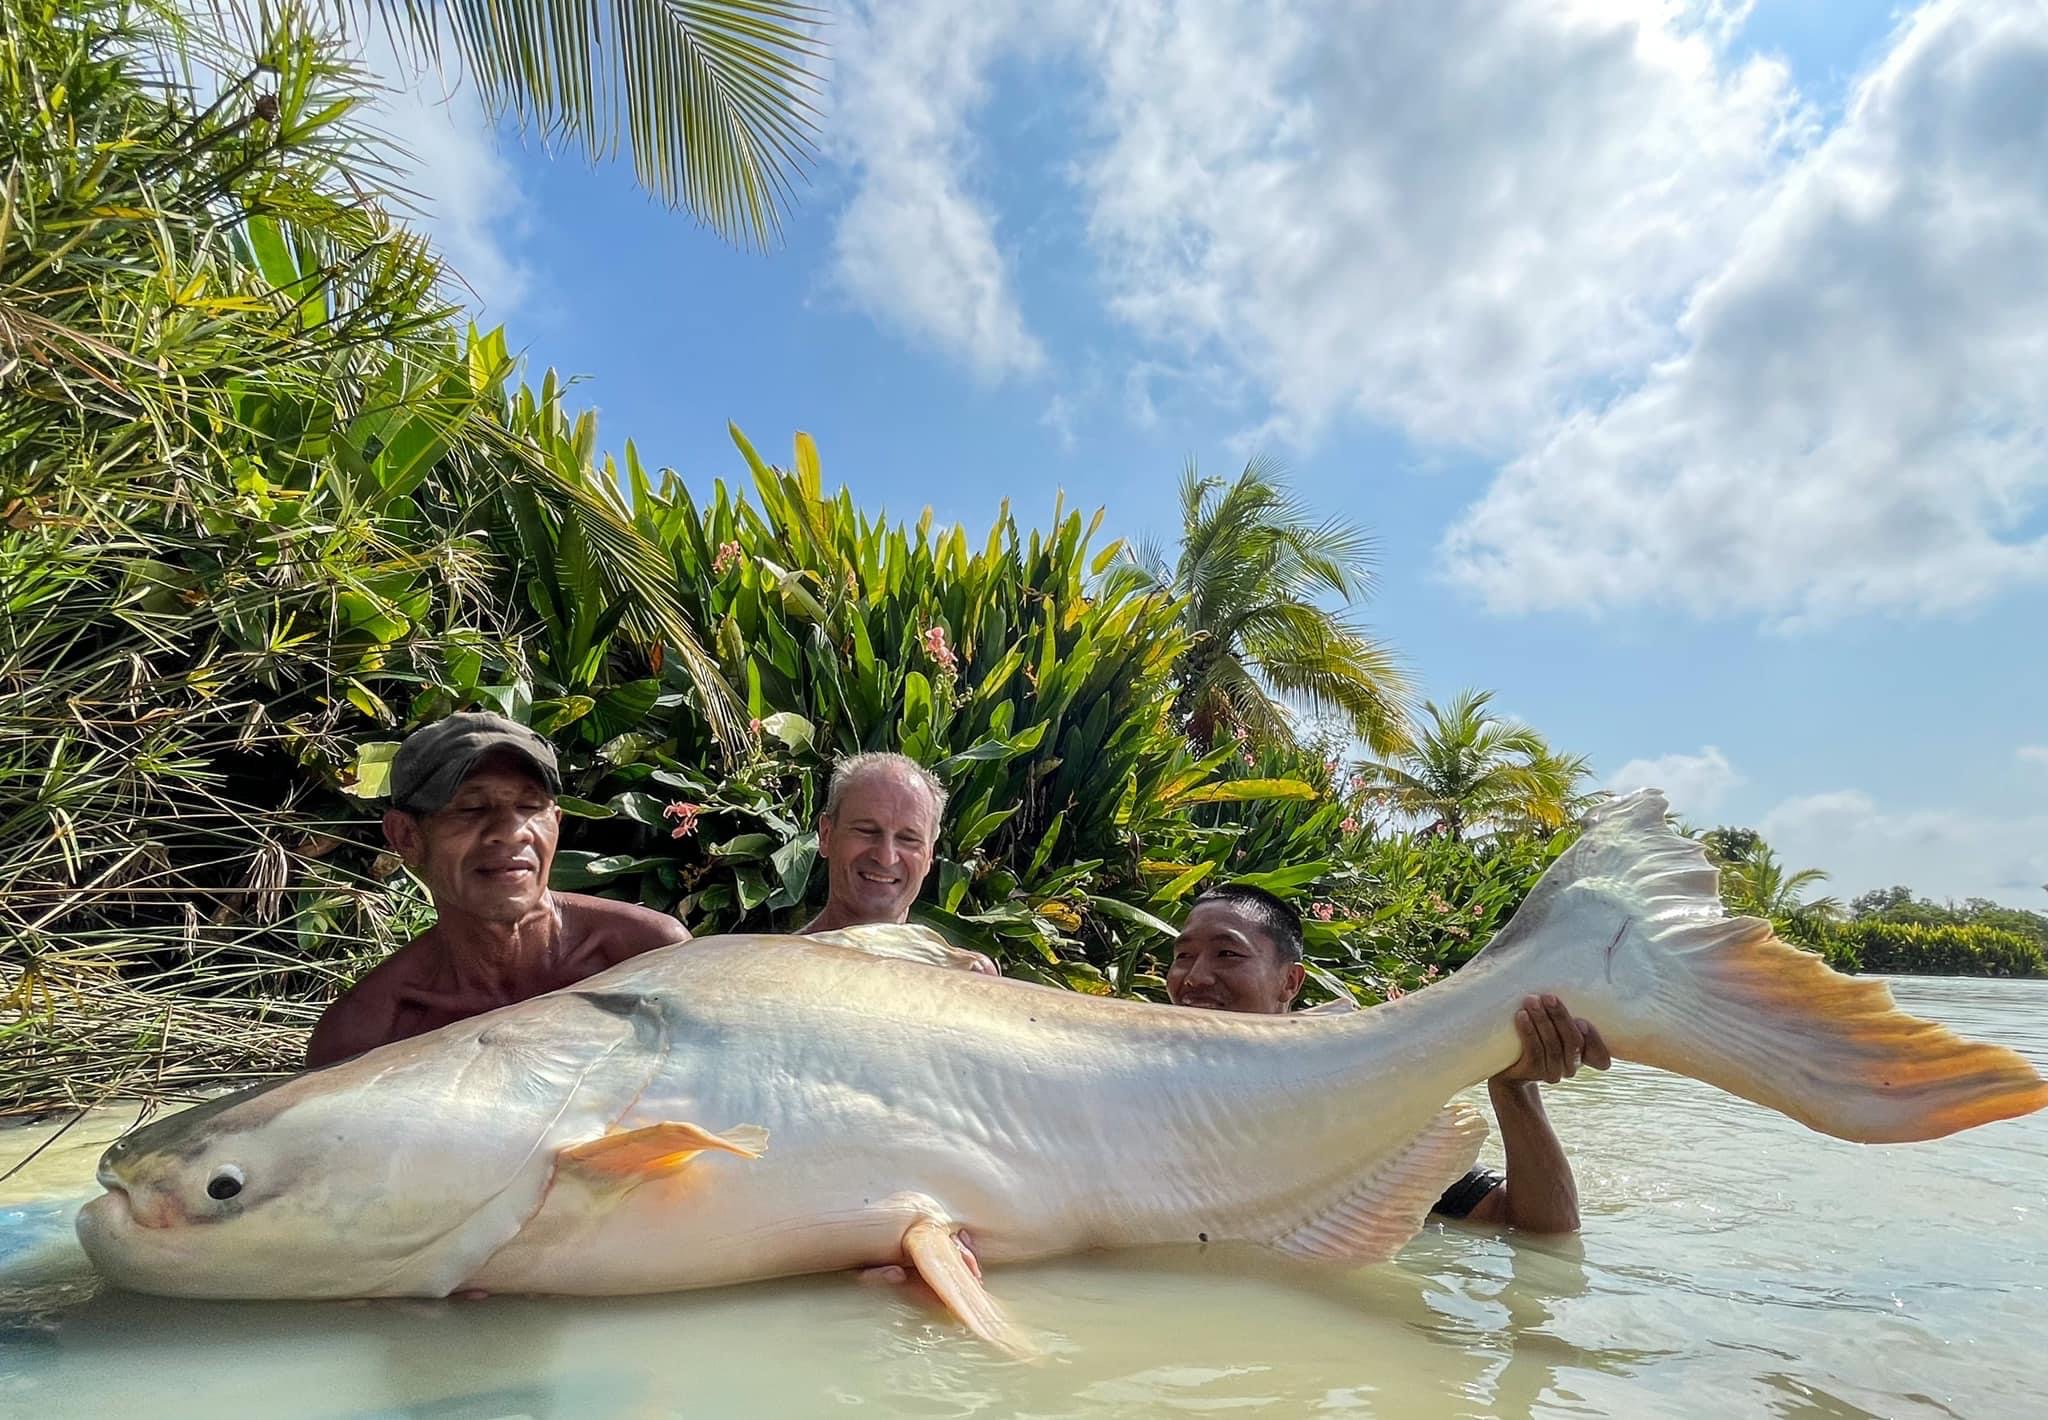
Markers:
434,760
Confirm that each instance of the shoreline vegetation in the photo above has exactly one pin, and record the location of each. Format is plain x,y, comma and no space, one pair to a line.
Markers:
269,501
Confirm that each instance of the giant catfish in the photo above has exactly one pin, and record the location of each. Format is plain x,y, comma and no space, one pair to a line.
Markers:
757,1106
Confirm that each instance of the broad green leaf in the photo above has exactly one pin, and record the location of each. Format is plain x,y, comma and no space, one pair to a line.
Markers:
791,728
745,845
581,870
584,808
370,776
1136,916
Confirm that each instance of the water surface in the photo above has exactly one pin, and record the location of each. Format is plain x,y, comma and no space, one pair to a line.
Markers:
1732,1262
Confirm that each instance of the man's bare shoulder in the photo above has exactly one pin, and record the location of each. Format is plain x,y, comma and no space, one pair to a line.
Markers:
362,1016
616,930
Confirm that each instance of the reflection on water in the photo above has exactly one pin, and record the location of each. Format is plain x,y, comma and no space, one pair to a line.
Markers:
1732,1262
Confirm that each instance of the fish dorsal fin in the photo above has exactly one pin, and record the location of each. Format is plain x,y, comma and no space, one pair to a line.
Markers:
628,1156
905,941
1384,1209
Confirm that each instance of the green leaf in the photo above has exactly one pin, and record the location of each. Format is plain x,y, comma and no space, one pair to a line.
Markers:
1282,881
582,870
753,886
745,845
793,863
1136,916
370,776
640,807
583,808
791,728
1182,884
1236,791
981,828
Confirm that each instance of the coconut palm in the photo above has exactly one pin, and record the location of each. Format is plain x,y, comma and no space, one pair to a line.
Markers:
1755,884
1252,571
1470,768
713,95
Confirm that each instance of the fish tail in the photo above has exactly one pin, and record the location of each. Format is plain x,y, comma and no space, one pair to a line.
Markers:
1678,984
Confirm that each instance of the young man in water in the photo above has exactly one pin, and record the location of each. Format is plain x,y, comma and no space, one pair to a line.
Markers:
1240,950
473,813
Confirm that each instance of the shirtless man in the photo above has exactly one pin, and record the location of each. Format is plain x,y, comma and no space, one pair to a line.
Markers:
1240,950
473,813
877,835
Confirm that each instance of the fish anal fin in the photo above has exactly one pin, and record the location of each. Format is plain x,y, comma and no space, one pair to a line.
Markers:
1384,1209
631,1155
930,1246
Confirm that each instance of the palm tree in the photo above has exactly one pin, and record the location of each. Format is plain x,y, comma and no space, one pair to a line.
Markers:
1469,767
1252,567
712,94
1755,884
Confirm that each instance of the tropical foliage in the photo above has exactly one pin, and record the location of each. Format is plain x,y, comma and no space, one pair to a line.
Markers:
1943,950
714,96
1251,570
1755,884
1469,770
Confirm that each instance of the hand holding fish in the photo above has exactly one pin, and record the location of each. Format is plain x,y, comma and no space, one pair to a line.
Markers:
1555,1044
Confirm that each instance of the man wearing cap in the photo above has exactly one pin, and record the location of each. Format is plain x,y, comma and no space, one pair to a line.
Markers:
473,813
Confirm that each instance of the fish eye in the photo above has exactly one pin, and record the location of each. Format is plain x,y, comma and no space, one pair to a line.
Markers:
225,1183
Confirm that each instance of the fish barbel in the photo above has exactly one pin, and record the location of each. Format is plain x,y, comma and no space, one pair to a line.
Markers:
746,1107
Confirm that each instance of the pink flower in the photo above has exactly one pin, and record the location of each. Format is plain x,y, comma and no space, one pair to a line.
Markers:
685,815
1394,991
728,553
1323,911
935,646
1357,783
1429,973
754,727
1350,825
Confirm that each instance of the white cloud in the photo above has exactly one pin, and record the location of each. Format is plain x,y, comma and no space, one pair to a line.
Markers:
2034,754
916,247
1859,418
1059,417
1939,853
1449,217
1695,784
465,191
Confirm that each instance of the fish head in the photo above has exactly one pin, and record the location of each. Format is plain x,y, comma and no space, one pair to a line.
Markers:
396,1173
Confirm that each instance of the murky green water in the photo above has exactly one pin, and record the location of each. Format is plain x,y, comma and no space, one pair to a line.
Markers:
1732,1263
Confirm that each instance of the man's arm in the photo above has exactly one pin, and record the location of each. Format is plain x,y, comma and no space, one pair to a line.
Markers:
1539,1194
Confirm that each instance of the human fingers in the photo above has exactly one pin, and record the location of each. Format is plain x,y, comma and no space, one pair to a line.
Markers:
1597,1053
1568,1035
1551,1037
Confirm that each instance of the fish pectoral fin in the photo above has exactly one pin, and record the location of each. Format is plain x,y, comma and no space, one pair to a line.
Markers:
1377,1216
630,1155
929,1245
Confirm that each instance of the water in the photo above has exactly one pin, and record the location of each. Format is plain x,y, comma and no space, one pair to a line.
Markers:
1732,1262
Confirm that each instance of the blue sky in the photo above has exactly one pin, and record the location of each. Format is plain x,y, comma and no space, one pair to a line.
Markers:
1689,360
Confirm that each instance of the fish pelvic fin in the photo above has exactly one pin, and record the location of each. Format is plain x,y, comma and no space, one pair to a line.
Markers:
1377,1216
1648,953
930,1246
629,1156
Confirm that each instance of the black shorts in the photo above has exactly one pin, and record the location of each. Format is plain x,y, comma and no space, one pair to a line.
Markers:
1463,1196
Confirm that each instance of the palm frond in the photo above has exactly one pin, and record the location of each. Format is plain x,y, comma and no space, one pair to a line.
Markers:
714,97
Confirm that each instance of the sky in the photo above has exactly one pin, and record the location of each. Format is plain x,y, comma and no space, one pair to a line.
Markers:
1688,360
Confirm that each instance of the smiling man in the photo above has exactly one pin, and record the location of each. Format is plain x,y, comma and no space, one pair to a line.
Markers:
877,835
1240,950
473,813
